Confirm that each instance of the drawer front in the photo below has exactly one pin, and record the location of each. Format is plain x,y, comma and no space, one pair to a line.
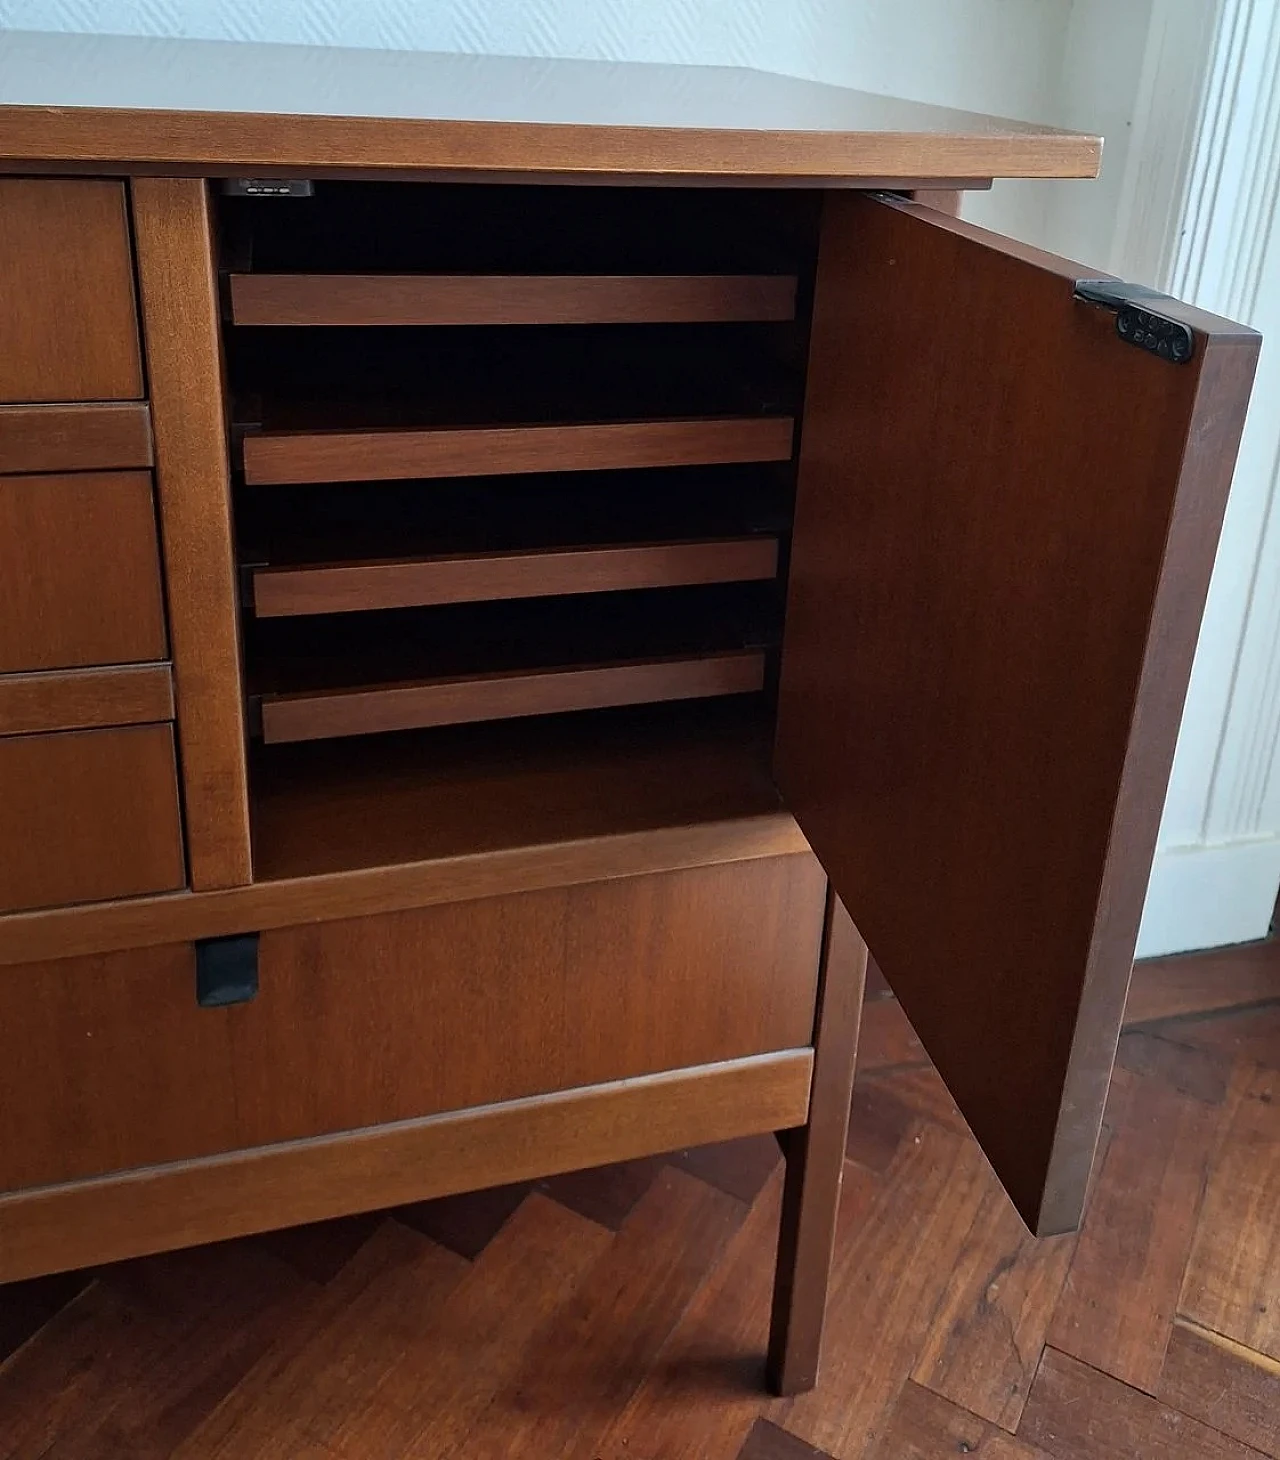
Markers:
87,815
67,313
378,1019
82,436
79,571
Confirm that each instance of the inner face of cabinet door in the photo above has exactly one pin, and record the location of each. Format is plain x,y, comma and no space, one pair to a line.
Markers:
1006,518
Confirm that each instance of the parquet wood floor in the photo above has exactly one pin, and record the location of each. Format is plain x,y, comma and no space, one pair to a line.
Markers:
620,1314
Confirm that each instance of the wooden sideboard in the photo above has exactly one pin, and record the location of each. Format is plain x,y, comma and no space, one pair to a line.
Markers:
502,565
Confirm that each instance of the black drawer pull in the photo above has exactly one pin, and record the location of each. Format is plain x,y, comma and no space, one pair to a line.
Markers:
226,970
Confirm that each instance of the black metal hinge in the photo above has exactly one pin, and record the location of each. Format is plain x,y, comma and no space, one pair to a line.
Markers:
226,970
1138,321
268,187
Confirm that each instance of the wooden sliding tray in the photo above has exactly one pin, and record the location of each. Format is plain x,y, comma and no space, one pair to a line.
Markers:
451,700
386,453
509,299
341,587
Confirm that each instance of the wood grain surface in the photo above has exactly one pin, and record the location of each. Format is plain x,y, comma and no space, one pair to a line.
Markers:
1076,1411
632,1302
67,313
470,578
986,650
82,699
560,986
104,436
250,108
173,231
470,299
1117,1309
320,715
1202,983
1223,1382
79,571
384,455
1233,1266
200,1201
815,1164
88,815
150,922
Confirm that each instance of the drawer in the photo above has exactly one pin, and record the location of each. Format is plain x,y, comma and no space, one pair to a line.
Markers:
82,436
384,1018
87,815
79,571
68,317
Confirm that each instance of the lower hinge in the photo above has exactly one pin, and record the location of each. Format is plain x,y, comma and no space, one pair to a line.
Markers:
226,970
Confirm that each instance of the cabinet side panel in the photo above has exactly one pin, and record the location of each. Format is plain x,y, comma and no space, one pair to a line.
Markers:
180,324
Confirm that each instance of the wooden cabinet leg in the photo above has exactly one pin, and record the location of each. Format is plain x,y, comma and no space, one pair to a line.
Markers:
815,1164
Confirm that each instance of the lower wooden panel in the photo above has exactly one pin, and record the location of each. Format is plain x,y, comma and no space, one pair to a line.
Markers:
110,1063
370,1020
178,1205
88,815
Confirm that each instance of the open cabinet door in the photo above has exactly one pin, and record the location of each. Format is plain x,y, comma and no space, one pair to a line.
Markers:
1007,513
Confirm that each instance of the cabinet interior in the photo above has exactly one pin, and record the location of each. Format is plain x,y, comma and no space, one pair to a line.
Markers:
514,477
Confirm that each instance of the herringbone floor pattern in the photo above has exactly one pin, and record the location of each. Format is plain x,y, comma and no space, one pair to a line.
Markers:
620,1314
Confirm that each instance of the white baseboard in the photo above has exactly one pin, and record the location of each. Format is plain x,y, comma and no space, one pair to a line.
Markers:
1209,896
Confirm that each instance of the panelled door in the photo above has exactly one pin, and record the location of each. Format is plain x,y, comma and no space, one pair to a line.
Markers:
1010,490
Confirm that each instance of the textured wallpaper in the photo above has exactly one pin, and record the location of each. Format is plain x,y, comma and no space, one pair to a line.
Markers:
998,56
994,55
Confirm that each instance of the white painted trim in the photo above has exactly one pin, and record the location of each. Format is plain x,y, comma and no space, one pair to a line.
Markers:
1167,117
1217,870
1207,896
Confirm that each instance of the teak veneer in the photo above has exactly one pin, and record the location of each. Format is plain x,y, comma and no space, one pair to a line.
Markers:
484,577
97,437
527,582
469,299
274,457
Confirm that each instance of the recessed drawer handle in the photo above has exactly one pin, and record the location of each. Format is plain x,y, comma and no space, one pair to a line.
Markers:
226,970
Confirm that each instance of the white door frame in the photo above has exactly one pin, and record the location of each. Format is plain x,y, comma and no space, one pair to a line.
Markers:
1201,198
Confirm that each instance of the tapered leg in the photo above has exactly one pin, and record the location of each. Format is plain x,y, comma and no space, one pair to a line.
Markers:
815,1163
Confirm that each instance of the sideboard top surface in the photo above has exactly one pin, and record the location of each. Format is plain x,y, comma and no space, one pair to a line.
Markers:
213,106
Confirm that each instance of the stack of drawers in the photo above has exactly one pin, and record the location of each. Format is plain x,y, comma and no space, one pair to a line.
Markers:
88,781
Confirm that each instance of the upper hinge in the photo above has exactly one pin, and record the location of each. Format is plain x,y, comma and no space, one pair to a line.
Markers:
1137,321
268,187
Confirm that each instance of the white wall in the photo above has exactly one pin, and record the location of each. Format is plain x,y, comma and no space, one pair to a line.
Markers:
1100,65
906,46
1000,56
1218,864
